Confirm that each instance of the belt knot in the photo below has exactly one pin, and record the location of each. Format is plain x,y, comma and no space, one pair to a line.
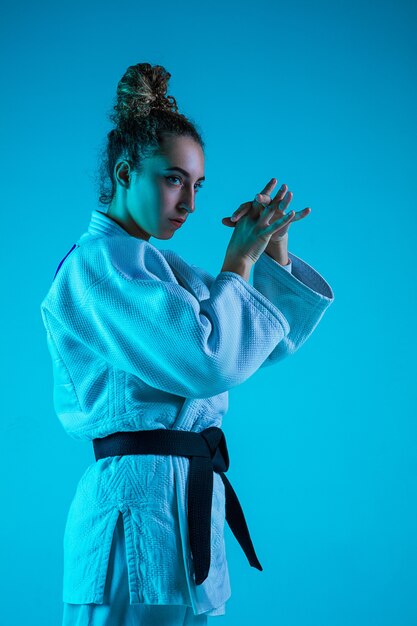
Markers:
207,451
216,442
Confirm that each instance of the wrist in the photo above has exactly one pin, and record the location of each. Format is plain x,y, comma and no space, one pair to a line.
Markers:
238,266
278,250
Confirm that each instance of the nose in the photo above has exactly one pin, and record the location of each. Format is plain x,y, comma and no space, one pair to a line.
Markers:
189,201
190,208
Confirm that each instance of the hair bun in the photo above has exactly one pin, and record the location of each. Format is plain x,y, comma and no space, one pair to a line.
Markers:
142,88
143,115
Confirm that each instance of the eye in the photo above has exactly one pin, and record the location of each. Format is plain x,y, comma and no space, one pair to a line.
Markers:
198,185
172,177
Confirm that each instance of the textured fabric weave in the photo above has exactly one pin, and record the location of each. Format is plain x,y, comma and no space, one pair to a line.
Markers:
116,609
140,339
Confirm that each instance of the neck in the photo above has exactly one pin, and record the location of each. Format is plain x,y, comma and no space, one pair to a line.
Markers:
124,219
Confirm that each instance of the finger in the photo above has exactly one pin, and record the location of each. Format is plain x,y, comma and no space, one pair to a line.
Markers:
279,195
228,222
261,201
279,223
265,195
238,214
286,201
301,214
267,190
242,210
258,203
266,214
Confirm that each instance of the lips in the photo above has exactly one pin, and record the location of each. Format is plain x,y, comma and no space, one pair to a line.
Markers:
177,219
176,223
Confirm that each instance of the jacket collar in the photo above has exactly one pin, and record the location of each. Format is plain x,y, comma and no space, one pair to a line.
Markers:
101,224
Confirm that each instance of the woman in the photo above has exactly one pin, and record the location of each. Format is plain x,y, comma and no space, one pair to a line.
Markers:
145,348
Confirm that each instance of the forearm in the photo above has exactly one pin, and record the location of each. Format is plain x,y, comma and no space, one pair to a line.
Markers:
239,267
278,250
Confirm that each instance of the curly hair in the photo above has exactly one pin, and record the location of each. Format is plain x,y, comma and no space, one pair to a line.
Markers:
143,115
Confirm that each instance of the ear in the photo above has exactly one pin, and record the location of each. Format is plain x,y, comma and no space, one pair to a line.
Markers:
122,173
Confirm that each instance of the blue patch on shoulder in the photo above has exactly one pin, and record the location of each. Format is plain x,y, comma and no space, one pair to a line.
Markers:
69,252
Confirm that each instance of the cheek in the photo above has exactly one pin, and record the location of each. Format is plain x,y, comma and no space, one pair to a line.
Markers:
167,199
156,202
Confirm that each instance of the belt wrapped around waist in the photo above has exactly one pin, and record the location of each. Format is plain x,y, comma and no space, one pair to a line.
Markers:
208,452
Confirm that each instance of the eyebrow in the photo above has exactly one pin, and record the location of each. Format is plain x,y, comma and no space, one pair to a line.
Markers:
179,169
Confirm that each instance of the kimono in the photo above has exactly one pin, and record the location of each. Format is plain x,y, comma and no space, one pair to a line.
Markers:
140,339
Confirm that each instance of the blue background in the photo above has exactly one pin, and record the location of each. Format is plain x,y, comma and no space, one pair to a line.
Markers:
321,96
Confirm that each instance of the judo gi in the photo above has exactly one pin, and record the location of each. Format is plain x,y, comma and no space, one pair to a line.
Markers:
139,340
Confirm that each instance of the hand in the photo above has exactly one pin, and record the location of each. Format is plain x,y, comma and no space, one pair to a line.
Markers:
253,232
280,203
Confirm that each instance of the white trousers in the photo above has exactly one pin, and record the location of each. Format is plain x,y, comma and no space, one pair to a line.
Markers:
116,609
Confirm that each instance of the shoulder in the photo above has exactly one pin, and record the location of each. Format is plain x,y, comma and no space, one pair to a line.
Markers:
99,257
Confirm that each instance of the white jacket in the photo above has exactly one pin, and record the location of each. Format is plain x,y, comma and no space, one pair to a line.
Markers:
140,339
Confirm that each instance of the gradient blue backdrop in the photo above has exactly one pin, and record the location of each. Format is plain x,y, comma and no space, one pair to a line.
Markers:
323,97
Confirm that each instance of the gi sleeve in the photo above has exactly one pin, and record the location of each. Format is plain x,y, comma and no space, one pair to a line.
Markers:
299,292
125,306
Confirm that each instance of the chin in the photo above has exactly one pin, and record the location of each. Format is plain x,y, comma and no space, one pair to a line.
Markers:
165,235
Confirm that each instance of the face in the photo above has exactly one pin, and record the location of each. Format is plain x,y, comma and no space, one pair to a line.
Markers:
165,189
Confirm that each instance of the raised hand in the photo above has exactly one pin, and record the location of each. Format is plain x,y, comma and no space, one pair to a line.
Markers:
279,203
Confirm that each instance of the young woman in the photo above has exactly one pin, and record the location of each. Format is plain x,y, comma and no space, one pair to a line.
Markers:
144,349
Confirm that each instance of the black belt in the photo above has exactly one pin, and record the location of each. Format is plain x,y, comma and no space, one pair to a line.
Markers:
208,452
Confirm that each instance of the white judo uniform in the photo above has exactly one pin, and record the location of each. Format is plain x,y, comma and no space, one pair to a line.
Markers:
139,340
